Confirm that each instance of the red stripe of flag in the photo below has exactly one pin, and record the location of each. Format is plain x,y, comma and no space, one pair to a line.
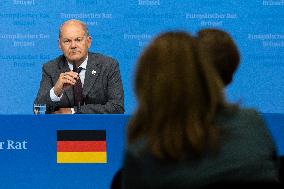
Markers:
81,146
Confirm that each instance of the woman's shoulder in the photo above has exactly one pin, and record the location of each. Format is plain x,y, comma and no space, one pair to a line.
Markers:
247,121
241,114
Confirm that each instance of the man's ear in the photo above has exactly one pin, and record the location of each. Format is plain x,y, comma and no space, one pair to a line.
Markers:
59,44
89,41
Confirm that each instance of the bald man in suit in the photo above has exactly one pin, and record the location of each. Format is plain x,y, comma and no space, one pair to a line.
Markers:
100,76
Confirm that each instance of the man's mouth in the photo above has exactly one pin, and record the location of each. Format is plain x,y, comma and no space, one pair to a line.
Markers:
73,52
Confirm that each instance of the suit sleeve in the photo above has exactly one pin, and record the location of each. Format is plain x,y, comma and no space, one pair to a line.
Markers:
114,94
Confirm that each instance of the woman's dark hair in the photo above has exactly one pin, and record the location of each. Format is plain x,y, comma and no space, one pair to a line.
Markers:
178,98
222,50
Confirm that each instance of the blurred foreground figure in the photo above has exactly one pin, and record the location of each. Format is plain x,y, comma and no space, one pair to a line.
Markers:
183,133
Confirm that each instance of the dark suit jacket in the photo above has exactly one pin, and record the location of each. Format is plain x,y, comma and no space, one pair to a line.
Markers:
102,90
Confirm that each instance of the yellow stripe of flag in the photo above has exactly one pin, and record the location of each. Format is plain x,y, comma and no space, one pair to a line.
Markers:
81,157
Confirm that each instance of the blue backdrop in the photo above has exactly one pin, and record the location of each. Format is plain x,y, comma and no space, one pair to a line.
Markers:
29,33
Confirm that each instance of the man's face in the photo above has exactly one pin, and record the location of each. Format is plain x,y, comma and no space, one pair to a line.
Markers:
74,43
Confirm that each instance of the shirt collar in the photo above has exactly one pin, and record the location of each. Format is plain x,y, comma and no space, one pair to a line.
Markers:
83,65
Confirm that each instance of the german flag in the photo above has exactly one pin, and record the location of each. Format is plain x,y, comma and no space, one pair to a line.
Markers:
81,146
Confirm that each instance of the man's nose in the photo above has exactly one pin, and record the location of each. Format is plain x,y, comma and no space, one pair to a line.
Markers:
73,44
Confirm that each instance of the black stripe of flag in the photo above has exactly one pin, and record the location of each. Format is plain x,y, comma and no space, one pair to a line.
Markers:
81,135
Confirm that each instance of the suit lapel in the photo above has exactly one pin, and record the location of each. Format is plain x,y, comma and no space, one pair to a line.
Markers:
91,75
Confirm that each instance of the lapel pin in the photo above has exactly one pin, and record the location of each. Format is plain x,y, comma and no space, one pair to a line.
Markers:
94,72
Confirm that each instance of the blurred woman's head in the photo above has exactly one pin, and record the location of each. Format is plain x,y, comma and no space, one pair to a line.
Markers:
222,50
178,95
